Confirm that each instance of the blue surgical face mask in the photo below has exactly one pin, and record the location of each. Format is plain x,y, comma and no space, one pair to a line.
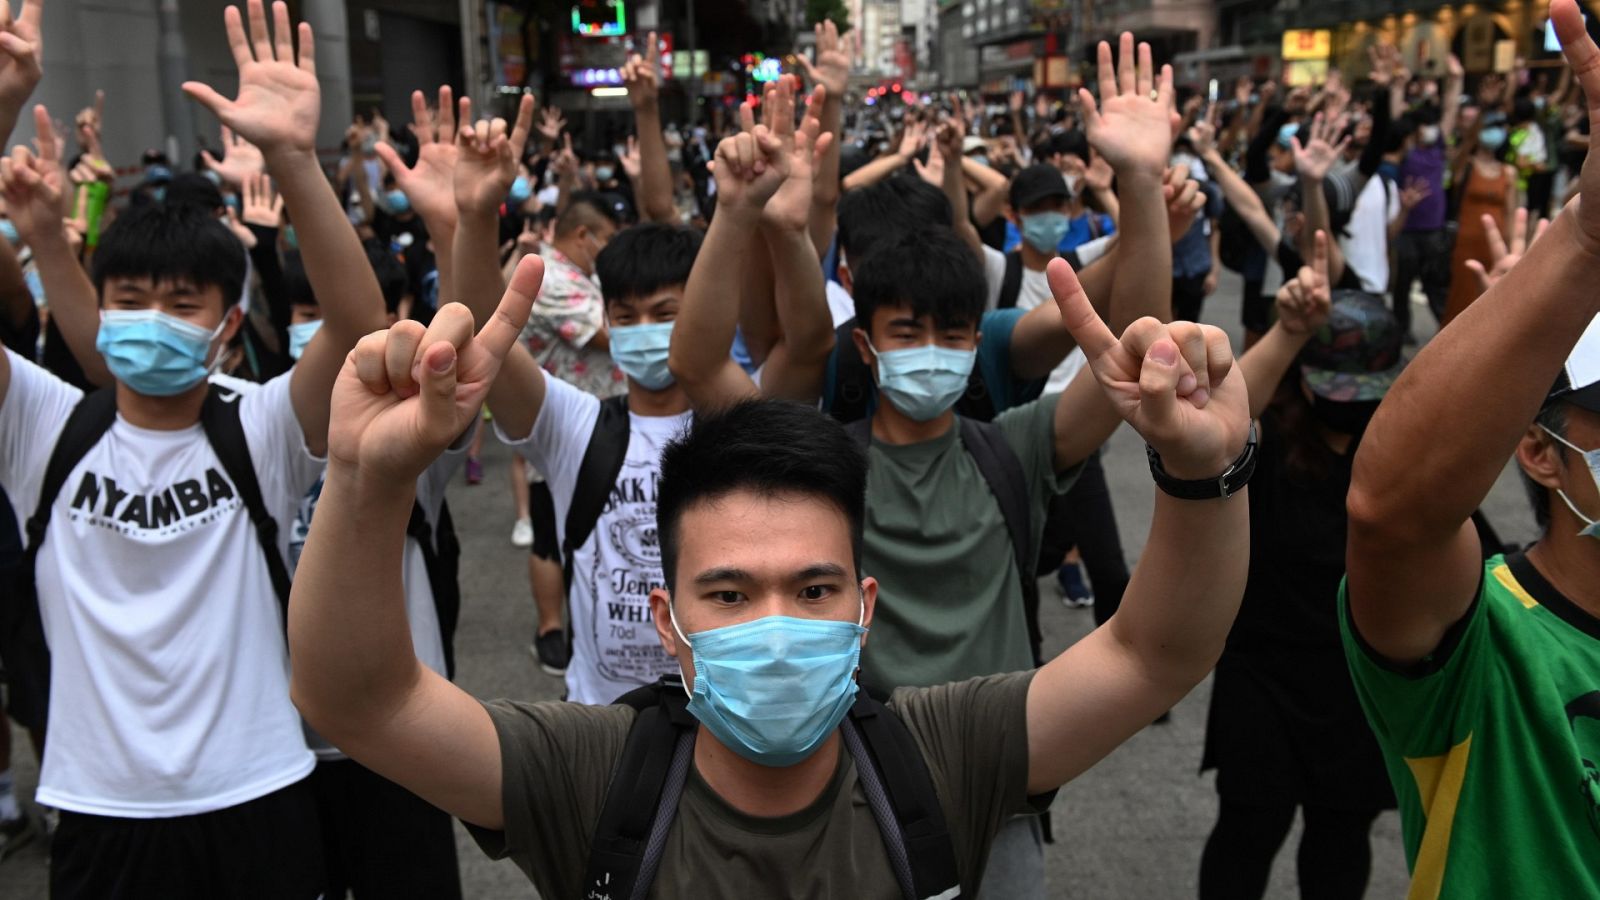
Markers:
397,202
300,335
980,159
153,353
923,382
603,173
8,230
773,689
1044,231
641,352
521,190
1591,528
1492,138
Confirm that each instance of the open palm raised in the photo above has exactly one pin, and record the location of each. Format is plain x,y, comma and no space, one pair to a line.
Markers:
279,100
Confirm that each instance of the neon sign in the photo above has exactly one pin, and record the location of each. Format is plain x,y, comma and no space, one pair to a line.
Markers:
600,18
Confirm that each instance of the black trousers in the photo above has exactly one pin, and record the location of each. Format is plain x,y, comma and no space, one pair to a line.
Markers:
1188,296
381,841
268,848
1424,256
1084,518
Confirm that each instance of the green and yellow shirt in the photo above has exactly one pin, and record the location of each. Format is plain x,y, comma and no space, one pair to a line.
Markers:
1493,743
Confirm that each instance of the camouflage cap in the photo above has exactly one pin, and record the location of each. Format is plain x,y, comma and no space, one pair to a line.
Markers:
1356,355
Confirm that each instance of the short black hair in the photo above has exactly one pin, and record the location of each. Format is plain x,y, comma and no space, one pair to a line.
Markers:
1553,418
585,208
769,447
871,215
194,189
172,243
929,269
392,278
643,259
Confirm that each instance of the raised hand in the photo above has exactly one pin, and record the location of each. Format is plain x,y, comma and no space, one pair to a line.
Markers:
641,75
1098,174
1129,128
1415,191
565,163
1202,134
279,100
88,124
1584,58
406,393
240,159
34,184
1318,156
551,124
801,149
21,53
1174,383
1017,101
632,165
749,166
430,185
1184,201
260,204
1303,301
913,140
1502,254
486,164
832,66
933,170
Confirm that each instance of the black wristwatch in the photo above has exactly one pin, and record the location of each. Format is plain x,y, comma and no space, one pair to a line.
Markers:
1230,482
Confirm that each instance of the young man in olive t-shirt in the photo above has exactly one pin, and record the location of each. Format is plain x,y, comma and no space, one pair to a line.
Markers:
1482,680
760,516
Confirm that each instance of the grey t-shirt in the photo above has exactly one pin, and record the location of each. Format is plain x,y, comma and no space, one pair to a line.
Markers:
558,758
949,594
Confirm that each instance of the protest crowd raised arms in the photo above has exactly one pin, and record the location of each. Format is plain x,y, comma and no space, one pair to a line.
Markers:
919,485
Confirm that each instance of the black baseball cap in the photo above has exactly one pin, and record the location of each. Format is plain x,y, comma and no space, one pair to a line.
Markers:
1037,183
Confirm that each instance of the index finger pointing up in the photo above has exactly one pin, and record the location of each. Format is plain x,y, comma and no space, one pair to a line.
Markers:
503,328
1578,48
1086,326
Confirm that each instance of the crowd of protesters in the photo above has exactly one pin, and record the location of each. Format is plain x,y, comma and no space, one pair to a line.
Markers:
806,399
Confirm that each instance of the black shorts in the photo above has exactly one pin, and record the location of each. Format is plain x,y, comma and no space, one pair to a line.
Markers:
268,848
381,840
542,510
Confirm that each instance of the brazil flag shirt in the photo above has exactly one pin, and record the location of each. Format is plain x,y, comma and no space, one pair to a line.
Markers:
1493,743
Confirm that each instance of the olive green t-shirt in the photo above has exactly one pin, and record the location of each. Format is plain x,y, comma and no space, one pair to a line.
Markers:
558,759
1493,743
949,594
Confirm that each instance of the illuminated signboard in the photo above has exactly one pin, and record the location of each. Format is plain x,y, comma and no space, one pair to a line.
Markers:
600,18
1307,44
597,77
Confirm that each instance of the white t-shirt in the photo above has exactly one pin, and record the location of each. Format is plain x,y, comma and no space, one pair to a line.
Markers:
170,680
841,306
421,611
1035,290
1366,248
614,644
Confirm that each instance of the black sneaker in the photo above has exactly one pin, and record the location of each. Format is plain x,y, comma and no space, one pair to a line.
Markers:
550,649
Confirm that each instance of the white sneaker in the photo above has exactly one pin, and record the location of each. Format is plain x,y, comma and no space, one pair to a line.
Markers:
522,533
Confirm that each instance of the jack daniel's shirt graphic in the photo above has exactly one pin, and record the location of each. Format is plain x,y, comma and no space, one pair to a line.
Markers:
169,691
614,643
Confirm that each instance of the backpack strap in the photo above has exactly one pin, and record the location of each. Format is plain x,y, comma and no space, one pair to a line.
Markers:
890,763
1011,284
1002,471
642,799
219,416
597,475
88,422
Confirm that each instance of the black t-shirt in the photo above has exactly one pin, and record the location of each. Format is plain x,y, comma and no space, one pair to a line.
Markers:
1297,544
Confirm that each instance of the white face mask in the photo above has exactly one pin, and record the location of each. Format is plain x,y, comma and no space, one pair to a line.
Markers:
1072,182
1591,528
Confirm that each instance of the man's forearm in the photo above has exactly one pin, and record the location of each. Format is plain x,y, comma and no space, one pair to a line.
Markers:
73,305
348,293
875,171
796,369
1265,364
955,189
655,175
1040,341
1143,285
703,333
1508,347
349,635
476,256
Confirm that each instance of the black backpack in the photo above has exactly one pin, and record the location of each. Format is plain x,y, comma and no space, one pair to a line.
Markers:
597,476
25,651
853,384
1002,472
642,800
441,556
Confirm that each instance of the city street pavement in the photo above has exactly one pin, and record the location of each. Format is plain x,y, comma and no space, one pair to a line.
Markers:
1133,827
